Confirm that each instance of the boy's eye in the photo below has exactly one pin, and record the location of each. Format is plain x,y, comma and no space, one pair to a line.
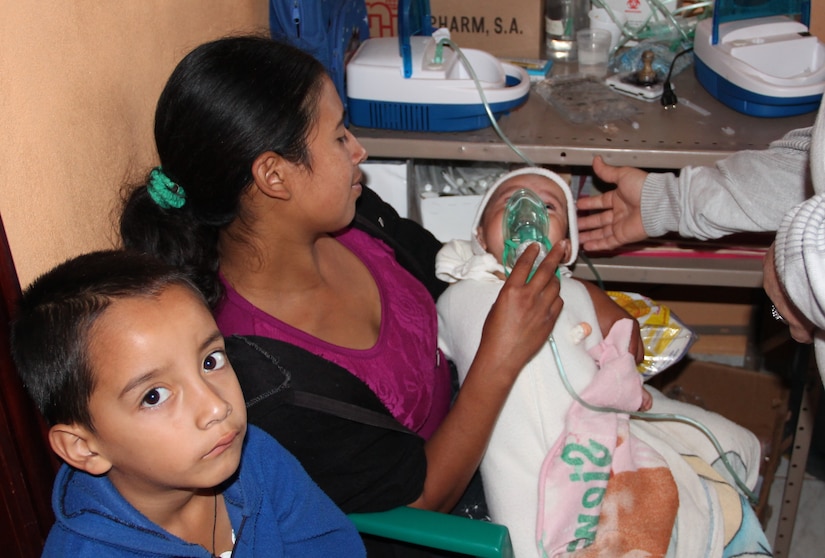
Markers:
214,361
155,396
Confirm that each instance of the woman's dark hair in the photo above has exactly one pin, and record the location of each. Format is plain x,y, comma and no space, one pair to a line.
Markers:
225,103
50,335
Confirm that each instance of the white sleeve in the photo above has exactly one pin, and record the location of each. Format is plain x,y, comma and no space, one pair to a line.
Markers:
749,191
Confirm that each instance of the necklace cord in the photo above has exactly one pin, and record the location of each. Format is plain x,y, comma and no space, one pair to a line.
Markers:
214,521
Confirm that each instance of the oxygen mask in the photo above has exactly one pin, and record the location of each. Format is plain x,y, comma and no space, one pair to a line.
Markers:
525,222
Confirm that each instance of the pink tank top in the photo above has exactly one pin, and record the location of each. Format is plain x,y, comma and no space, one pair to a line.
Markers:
404,368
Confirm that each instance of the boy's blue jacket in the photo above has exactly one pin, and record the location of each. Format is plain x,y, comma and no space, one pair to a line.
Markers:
275,508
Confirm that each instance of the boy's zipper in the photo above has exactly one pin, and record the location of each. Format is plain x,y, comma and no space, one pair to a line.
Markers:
296,17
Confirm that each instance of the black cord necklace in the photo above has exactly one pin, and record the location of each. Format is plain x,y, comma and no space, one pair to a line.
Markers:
214,522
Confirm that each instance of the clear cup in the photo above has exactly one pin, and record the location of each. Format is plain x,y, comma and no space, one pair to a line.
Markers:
593,46
601,19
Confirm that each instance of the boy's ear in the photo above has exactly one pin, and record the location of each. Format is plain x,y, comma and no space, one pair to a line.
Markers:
269,172
78,447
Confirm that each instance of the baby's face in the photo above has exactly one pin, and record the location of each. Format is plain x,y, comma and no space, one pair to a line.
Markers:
490,233
167,408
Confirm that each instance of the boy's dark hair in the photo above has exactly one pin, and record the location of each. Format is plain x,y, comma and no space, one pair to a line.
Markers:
226,102
50,335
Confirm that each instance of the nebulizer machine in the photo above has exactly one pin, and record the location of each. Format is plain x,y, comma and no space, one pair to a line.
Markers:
525,222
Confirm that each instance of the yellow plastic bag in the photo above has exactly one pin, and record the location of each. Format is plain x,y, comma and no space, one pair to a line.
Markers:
666,339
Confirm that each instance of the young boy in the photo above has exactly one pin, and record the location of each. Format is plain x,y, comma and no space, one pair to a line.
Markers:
124,360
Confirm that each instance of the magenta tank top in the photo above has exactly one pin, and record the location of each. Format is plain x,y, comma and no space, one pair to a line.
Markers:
404,368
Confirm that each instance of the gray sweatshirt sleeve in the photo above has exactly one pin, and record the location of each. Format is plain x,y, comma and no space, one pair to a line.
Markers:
749,191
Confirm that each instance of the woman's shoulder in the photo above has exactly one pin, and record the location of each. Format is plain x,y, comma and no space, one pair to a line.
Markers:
414,246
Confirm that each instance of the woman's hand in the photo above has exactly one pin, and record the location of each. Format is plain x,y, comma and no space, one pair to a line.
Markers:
525,312
618,220
517,325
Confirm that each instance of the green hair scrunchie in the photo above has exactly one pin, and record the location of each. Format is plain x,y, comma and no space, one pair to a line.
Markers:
163,191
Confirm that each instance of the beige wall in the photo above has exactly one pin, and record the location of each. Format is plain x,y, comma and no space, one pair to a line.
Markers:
78,83
818,19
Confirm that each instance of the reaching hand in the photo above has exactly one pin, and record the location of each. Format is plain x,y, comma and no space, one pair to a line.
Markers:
619,217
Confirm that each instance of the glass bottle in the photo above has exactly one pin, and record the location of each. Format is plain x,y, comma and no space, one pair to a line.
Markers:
562,18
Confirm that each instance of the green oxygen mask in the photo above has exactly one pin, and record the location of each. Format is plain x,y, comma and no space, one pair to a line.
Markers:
525,222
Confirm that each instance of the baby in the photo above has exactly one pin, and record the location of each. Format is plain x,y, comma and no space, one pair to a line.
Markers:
534,413
563,476
123,358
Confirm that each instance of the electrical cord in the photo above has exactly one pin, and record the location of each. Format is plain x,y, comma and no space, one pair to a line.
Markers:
669,99
589,263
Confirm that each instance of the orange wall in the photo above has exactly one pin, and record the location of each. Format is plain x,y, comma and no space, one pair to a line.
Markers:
818,19
78,86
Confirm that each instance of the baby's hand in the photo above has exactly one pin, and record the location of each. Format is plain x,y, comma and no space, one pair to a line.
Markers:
647,401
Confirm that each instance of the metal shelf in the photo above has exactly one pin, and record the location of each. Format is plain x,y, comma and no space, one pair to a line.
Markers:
719,272
655,138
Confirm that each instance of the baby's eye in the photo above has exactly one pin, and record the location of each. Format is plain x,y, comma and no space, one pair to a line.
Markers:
214,361
155,397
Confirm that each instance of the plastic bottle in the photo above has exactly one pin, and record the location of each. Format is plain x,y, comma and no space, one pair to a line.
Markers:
525,221
562,18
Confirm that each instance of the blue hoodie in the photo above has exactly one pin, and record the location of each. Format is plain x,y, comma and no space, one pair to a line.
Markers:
275,509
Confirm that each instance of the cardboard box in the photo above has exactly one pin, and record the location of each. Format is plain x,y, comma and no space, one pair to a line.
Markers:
818,20
638,12
449,217
722,328
389,180
506,29
383,18
755,400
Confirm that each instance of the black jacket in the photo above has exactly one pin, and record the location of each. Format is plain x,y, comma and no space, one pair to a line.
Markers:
361,467
415,247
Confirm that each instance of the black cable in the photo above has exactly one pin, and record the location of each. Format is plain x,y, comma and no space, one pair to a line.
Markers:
669,99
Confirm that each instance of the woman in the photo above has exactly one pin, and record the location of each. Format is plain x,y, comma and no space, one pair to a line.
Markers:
256,196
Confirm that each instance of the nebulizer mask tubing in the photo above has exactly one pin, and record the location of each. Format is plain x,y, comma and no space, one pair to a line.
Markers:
525,222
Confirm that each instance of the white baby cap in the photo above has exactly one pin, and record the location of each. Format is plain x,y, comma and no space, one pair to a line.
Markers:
573,229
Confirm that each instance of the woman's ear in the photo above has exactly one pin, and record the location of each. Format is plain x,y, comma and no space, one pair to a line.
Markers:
269,172
77,446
